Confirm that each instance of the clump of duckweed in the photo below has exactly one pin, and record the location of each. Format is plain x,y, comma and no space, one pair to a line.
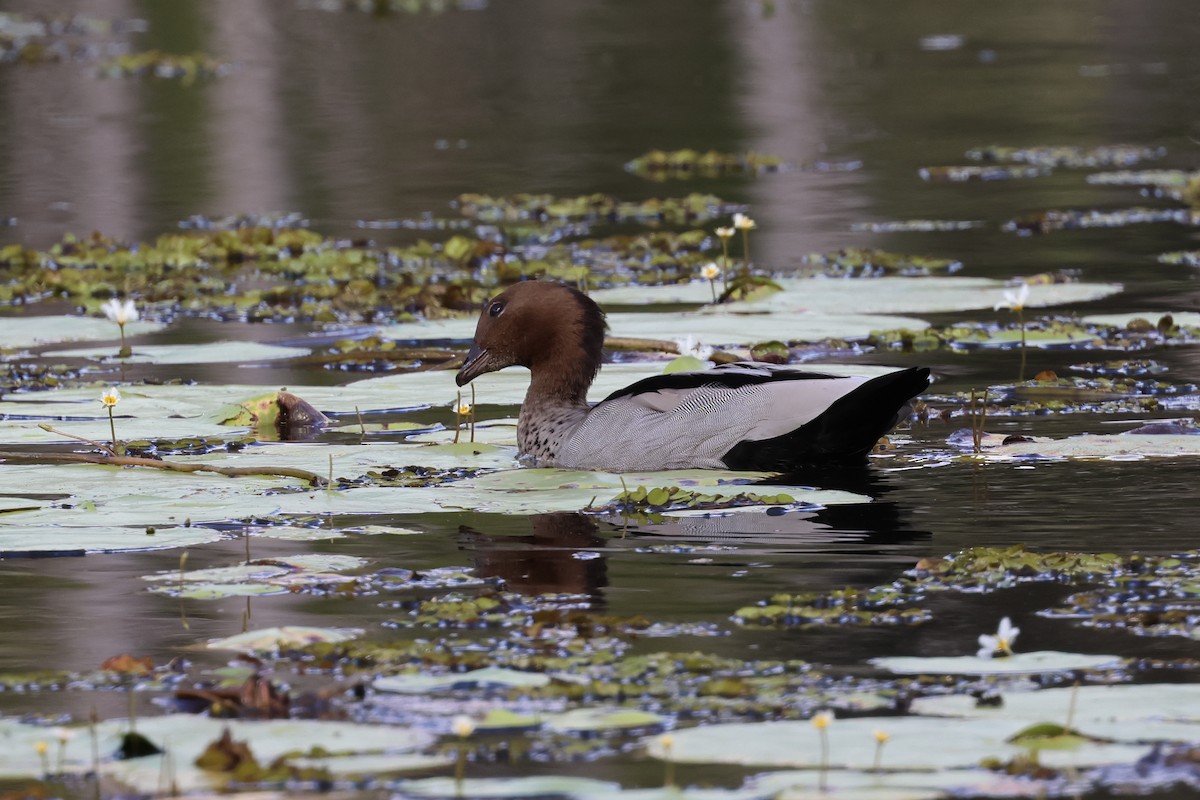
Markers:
916,225
1116,155
596,207
882,605
157,64
861,262
1074,219
995,172
661,165
642,501
411,475
1152,597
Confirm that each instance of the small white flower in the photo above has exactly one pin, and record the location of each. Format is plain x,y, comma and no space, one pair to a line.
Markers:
1001,642
119,312
463,410
690,346
743,222
822,719
710,271
462,726
63,735
110,397
1014,298
725,233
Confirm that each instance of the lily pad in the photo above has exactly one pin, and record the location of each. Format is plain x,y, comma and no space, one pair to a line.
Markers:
581,720
528,788
185,736
16,332
962,743
890,295
269,640
69,540
242,353
1035,663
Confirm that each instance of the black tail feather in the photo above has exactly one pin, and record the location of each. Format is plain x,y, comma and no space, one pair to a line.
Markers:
844,433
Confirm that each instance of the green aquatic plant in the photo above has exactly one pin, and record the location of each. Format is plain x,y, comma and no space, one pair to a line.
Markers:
157,64
1118,155
862,262
661,165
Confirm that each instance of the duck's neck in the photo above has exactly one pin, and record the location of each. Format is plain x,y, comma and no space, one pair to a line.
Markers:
561,378
555,405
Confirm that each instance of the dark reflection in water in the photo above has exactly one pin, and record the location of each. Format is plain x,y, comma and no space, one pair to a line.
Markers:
557,556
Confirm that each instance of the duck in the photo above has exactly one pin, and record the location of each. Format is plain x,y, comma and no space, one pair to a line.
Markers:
745,416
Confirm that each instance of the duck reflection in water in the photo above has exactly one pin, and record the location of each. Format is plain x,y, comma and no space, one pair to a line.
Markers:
560,554
563,552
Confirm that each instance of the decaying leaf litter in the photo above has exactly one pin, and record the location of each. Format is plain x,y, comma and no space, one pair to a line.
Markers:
574,675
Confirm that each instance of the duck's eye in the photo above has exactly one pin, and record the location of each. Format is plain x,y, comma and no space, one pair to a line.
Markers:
495,309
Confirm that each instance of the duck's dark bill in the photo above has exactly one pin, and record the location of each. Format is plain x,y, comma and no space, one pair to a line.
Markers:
476,364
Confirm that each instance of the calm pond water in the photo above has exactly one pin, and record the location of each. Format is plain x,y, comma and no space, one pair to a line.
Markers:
349,117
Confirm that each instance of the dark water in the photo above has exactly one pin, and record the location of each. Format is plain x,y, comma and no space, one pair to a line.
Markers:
349,117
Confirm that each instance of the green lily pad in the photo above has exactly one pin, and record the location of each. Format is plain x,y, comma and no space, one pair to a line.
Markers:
30,331
962,743
603,719
269,640
185,736
100,538
1114,447
1035,663
242,353
529,788
891,295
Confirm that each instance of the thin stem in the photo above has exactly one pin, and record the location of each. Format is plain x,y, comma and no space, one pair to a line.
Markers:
746,252
1021,322
724,263
97,445
112,427
822,784
457,415
712,284
472,413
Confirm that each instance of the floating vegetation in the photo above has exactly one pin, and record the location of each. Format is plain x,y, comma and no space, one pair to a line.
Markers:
861,262
917,225
1186,258
385,7
1071,219
850,606
42,38
157,64
660,165
641,501
25,376
596,207
1118,155
1139,367
961,174
1160,178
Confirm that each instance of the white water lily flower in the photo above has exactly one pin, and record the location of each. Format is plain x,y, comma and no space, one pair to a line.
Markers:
110,397
743,223
120,313
1001,642
463,409
690,346
462,726
725,232
710,271
822,719
1014,298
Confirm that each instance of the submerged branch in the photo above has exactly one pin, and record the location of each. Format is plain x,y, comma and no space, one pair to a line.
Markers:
311,478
